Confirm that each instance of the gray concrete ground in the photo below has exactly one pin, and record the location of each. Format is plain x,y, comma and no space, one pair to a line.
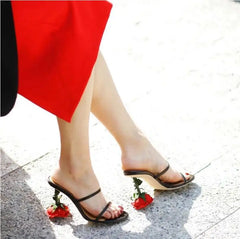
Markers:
177,67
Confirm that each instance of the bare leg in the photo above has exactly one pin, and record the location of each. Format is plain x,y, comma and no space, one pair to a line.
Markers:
137,151
75,171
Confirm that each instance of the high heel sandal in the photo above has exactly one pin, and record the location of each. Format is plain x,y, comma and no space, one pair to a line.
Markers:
155,181
85,214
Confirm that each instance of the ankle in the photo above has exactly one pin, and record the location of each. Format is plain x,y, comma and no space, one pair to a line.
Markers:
133,142
74,169
137,155
141,155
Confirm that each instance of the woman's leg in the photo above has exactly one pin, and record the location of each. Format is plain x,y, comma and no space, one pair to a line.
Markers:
137,151
75,171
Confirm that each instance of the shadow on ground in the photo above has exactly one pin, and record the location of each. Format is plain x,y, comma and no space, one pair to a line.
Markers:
22,215
164,219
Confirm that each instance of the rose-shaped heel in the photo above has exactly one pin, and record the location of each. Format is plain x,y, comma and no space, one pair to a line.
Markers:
57,209
141,199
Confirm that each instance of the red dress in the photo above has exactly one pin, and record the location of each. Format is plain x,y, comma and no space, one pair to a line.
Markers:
57,44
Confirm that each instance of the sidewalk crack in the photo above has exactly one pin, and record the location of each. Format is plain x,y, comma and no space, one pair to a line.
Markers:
20,167
217,223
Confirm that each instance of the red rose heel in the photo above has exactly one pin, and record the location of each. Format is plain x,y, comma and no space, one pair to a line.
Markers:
141,199
57,209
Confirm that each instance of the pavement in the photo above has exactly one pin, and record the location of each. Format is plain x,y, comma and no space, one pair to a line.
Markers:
176,65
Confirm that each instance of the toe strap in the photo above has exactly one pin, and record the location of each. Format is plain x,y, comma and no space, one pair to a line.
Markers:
184,178
161,173
102,212
89,196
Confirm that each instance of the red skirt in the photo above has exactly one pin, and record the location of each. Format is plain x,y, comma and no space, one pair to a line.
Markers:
57,44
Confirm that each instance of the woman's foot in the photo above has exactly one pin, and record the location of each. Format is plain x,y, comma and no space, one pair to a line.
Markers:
85,184
141,155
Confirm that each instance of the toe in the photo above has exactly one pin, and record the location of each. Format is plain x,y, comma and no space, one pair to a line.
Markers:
115,211
120,208
187,176
107,214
